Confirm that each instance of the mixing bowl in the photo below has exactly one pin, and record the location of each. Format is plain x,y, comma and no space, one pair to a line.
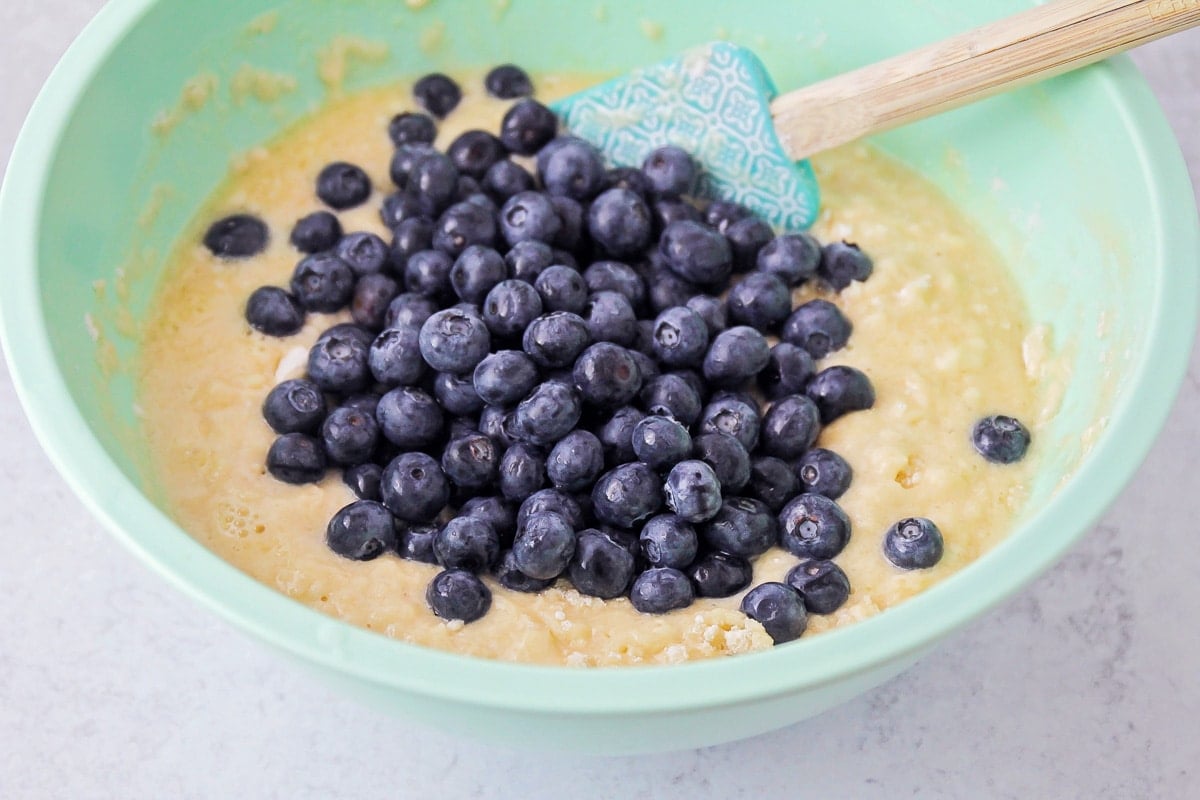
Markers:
1077,181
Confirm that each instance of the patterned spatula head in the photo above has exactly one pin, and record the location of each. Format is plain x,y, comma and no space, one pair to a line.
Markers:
714,102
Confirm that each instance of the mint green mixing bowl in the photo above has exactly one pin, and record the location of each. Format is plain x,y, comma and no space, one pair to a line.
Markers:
1078,181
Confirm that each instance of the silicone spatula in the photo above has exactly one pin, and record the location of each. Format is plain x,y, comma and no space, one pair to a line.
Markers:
719,104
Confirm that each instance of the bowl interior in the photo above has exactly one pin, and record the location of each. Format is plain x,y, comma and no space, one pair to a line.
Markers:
1065,177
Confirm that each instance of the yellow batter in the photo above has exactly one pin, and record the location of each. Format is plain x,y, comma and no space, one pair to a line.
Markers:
938,328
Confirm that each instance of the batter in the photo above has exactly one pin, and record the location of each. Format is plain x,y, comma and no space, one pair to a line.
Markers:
938,328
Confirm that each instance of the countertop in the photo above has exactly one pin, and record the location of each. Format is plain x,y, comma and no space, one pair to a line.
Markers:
112,684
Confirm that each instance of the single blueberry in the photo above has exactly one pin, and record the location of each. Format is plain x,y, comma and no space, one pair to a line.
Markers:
473,152
409,310
365,253
551,500
467,542
438,94
414,488
427,272
323,282
600,567
661,589
839,390
661,442
511,577
790,426
236,236
778,608
409,417
527,127
670,171
506,178
529,216
693,491
735,416
476,272
372,295
318,231
341,185
712,311
610,318
720,214
274,311
772,481
913,543
824,472
361,531
616,436
668,541
412,126
627,495
363,480
505,377
760,300
747,237
561,289
522,471
395,357
526,260
508,82
787,372
819,327
434,180
338,363
509,308
613,276
397,207
793,258
454,341
743,527
822,584
728,459
555,340
349,436
462,225
607,376
575,461
619,222
680,337
494,510
550,412
571,167
471,462
1000,439
400,167
544,546
813,526
720,575
696,253
456,594
736,356
843,262
416,543
671,395
413,235
296,458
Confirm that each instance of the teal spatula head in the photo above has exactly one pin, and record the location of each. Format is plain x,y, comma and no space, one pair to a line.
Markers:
713,101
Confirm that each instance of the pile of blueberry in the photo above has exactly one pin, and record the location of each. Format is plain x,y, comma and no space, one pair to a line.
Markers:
557,372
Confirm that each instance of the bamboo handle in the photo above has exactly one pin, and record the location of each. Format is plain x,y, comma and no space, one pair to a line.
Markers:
1029,46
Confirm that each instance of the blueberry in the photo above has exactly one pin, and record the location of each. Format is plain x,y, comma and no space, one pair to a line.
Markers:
462,225
665,211
747,237
680,337
416,543
551,500
668,541
473,152
743,527
323,282
693,491
839,390
561,289
412,236
735,416
819,327
274,311
497,423
400,167
550,412
607,375
318,231
626,495
438,94
778,608
409,417
456,594
619,222
397,207
712,311
338,363
666,289
341,185
361,531
509,308
506,178
571,167
1000,439
492,509
790,426
693,379
600,567
720,214
661,442
365,253
296,458
526,260
409,310
471,462
720,575
511,577
696,253
454,341
476,272
913,543
236,236
629,178
661,589
456,394
773,482
670,170
527,127
350,330
616,436
793,258
522,471
610,318
544,546
787,372
613,276
760,300
414,488
626,540
434,179
824,472
570,230
556,340
505,377
671,395
363,480
349,436
427,272
372,296
575,461
813,526
529,216
468,543
728,459
508,82
412,126
843,262
822,584
736,356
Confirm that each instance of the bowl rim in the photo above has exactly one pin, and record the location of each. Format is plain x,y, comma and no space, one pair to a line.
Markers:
903,630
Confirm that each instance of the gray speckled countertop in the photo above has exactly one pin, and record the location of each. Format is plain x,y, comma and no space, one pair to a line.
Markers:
114,685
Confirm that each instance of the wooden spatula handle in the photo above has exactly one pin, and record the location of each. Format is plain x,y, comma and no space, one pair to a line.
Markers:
1023,48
